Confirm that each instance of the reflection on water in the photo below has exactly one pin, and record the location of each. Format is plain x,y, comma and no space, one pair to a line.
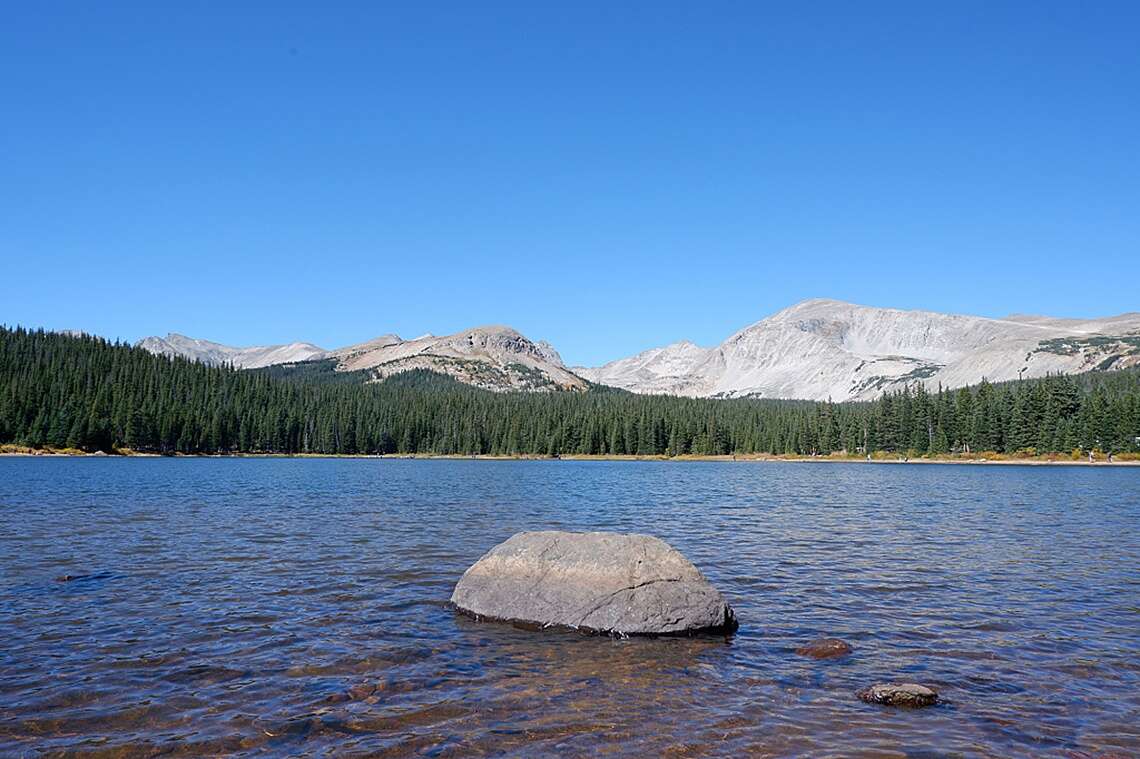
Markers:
208,606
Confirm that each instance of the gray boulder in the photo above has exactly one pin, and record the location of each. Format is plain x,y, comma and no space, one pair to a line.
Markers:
593,581
899,694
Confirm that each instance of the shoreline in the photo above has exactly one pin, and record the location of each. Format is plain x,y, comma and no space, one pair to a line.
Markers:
991,459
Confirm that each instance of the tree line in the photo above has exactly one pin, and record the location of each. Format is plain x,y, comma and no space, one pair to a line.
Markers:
64,391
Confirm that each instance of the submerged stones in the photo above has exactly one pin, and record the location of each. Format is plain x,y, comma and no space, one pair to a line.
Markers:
620,584
899,694
600,582
825,648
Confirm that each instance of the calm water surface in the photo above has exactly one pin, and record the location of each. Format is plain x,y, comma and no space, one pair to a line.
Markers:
288,607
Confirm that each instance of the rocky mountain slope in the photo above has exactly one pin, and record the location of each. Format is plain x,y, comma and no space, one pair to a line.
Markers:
216,354
814,350
821,349
495,358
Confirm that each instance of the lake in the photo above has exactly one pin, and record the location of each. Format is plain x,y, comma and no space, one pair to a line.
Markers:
299,606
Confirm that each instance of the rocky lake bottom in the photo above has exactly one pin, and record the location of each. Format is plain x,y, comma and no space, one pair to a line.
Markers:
190,607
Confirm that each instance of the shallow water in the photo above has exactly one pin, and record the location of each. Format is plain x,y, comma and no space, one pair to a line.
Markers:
298,606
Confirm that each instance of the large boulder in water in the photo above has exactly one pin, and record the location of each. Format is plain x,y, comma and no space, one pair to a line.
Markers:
594,581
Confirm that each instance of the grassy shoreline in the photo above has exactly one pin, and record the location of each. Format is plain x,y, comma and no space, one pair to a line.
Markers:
974,459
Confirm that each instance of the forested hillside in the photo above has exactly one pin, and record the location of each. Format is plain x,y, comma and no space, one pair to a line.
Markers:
62,391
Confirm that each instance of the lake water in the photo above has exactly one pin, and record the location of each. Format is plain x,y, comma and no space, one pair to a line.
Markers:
298,606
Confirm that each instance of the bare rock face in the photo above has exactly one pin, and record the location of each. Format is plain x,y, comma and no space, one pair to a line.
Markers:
825,648
899,694
593,581
216,354
821,349
493,358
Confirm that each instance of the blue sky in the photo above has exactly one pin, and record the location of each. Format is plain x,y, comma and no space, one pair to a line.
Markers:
606,176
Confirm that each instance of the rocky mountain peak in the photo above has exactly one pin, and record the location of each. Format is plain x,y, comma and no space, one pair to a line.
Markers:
821,348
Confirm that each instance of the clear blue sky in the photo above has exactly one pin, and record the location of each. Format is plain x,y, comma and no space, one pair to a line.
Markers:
606,176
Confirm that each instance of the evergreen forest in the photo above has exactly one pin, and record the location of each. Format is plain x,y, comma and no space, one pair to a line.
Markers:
63,391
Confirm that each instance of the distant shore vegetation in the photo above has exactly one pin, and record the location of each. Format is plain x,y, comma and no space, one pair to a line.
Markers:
84,394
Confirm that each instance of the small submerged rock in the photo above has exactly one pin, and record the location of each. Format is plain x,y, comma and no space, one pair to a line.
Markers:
593,581
73,578
85,576
825,648
899,694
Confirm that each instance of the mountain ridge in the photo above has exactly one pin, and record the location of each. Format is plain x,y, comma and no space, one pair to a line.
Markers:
208,352
494,357
817,349
821,349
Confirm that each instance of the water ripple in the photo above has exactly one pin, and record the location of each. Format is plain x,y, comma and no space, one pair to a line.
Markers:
253,607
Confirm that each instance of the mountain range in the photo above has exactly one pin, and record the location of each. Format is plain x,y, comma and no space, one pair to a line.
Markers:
493,357
815,350
216,354
821,349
